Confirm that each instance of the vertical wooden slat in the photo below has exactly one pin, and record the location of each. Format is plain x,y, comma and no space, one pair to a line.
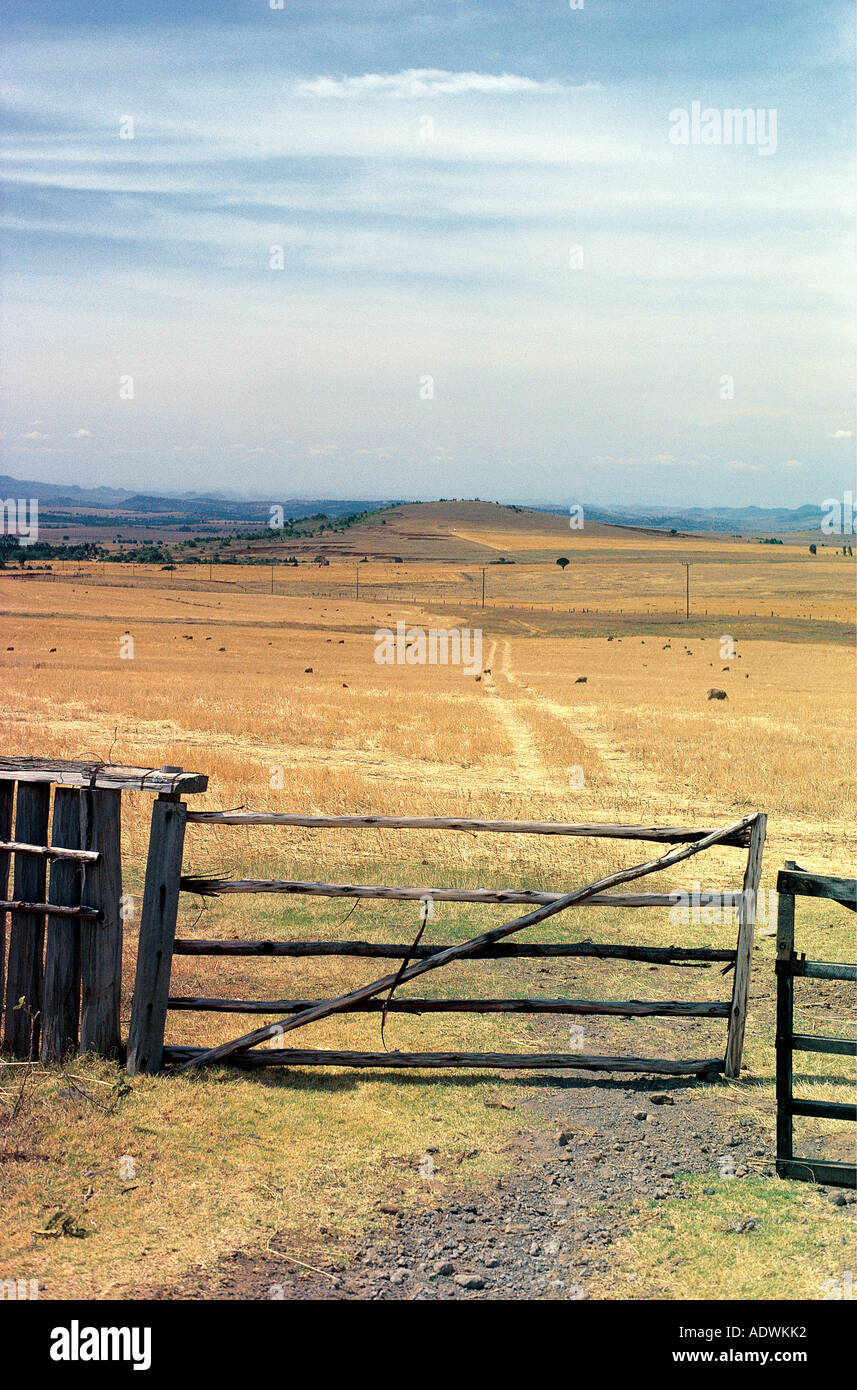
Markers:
785,1022
27,930
744,956
62,946
7,796
101,942
157,934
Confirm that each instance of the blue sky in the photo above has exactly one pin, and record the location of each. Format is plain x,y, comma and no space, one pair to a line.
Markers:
427,172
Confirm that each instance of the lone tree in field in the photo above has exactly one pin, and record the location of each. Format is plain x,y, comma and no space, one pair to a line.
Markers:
562,562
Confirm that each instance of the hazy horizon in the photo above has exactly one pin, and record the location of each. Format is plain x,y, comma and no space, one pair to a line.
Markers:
560,506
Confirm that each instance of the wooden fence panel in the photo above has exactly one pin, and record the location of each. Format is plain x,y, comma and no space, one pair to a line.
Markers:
791,881
7,796
62,947
27,929
101,942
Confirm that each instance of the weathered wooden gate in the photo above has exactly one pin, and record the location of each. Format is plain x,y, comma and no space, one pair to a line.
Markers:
158,944
793,882
64,975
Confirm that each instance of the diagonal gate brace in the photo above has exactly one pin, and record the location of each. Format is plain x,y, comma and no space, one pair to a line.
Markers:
464,948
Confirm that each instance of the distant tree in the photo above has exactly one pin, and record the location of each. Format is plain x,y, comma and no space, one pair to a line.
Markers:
812,550
563,561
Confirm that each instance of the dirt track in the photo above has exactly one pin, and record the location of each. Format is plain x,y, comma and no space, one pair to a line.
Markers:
543,1232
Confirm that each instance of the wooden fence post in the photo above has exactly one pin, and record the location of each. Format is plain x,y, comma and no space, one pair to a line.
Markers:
27,929
62,947
7,794
744,956
157,934
101,942
785,1020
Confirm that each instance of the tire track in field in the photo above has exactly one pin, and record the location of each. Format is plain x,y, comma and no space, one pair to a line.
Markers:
531,765
623,771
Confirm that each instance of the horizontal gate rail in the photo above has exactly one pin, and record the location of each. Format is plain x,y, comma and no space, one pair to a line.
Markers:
823,970
662,834
524,1061
792,882
804,885
214,887
631,1008
89,914
806,1042
823,1109
83,856
657,955
814,1170
65,772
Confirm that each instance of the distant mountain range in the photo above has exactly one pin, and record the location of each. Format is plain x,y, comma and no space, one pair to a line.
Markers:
183,506
188,507
741,520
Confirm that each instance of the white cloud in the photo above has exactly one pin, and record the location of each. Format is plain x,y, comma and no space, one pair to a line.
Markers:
739,466
412,83
81,434
792,463
841,434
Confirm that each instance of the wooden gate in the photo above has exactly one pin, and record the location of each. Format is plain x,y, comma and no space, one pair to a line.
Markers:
158,944
793,882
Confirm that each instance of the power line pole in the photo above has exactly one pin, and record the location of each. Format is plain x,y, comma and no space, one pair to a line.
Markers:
272,579
687,564
483,588
357,582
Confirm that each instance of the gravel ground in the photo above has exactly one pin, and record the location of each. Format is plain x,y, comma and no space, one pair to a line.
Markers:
591,1150
545,1230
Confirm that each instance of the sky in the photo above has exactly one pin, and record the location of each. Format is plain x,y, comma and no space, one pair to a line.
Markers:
392,249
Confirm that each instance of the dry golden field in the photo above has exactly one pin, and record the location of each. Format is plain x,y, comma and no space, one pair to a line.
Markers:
278,698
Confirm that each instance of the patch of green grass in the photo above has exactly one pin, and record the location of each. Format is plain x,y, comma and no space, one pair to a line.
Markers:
753,1239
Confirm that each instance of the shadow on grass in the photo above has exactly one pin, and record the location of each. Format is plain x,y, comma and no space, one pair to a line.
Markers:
296,1080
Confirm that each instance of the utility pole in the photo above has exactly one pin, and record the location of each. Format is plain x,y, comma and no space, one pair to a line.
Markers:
272,579
483,588
687,564
357,582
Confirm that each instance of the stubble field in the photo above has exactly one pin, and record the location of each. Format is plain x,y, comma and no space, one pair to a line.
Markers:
278,698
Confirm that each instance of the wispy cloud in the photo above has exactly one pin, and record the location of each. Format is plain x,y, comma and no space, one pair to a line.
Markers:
415,83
